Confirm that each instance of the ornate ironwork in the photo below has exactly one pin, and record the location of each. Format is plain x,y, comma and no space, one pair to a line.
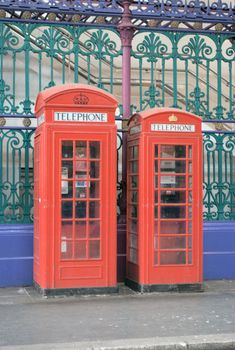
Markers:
48,56
16,176
219,181
185,71
186,15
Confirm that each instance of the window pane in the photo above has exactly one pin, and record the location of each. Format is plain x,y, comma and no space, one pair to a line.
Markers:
172,151
94,249
66,249
67,149
156,166
80,229
134,167
94,170
173,197
134,196
173,212
171,258
94,229
94,209
156,151
170,181
94,149
80,250
133,226
80,192
80,209
175,227
67,189
134,181
67,169
81,149
67,209
94,189
66,230
172,242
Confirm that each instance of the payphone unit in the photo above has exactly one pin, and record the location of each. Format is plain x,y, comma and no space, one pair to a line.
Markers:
164,201
75,188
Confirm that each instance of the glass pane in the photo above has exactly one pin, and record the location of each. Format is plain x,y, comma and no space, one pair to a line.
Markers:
67,169
172,151
94,189
133,241
67,209
94,249
80,192
133,226
190,257
155,197
156,181
81,167
133,209
155,227
94,149
190,197
169,258
155,258
170,181
156,151
190,181
80,209
190,151
67,149
168,166
94,170
81,149
94,229
80,229
173,197
134,167
80,250
66,230
156,212
133,255
66,249
190,241
94,209
168,227
155,242
134,196
134,152
67,189
190,167
134,181
190,227
172,242
190,212
156,166
173,212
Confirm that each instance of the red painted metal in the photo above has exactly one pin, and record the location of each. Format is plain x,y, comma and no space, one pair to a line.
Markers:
75,189
164,216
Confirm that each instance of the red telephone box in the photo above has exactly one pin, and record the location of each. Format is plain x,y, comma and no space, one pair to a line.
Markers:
75,190
164,215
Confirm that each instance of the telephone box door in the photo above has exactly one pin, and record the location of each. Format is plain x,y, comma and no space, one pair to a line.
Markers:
81,251
174,244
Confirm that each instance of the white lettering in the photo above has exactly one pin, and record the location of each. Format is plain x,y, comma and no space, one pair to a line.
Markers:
173,127
81,117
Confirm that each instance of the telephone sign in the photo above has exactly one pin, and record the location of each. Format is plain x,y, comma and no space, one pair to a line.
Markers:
164,201
75,187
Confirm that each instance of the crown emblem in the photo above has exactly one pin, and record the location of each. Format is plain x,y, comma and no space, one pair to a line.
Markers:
172,118
80,99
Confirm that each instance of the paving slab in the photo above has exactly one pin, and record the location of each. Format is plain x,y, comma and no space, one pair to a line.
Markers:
127,320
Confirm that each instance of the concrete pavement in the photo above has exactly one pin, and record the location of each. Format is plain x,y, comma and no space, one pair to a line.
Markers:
129,320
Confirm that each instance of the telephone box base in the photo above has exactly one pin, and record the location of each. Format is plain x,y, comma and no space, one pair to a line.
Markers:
149,288
74,291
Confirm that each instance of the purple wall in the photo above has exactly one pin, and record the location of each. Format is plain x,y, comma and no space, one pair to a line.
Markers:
16,253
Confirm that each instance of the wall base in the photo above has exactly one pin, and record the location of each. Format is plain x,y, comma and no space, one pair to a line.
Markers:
74,291
149,288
